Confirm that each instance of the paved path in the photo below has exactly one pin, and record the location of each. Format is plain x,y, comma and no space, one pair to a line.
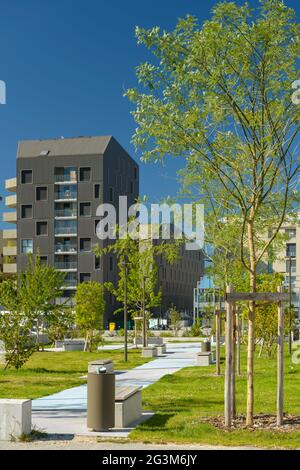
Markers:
64,413
177,357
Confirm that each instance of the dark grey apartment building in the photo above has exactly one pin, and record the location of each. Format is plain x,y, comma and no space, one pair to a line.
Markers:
58,187
60,183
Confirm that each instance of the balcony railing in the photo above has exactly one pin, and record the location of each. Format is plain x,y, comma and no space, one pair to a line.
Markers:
63,195
65,265
66,213
60,248
65,231
68,178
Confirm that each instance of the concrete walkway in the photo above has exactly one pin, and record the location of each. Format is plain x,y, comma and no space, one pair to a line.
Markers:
65,412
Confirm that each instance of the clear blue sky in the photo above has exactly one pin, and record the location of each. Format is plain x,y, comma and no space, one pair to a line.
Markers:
66,64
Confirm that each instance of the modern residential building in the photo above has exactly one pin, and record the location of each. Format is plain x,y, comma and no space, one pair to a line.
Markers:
178,280
288,262
58,187
53,202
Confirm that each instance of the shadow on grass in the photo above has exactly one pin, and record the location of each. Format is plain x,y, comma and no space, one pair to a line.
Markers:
157,422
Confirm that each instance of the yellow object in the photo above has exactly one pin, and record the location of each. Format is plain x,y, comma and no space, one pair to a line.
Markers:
112,327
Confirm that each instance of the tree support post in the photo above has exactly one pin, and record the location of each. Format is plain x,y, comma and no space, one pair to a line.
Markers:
280,357
218,368
228,362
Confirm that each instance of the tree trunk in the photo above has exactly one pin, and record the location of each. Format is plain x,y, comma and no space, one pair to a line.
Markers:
233,394
38,335
251,332
238,337
86,341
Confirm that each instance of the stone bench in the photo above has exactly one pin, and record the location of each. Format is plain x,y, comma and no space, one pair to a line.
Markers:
154,340
72,345
161,349
149,351
15,418
98,363
204,358
128,405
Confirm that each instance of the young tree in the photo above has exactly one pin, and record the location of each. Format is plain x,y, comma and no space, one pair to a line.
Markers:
39,286
220,97
15,326
138,282
89,310
175,319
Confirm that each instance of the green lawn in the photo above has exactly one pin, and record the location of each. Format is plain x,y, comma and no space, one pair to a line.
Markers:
50,372
195,393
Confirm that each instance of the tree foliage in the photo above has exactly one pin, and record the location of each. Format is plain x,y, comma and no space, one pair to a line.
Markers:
219,96
89,310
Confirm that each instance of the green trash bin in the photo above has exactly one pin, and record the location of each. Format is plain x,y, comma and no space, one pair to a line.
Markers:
101,400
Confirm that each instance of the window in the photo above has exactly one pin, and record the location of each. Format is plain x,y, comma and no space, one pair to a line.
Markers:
26,176
84,277
41,193
292,267
26,211
111,194
85,174
131,187
44,260
291,249
27,246
85,244
41,228
290,232
111,263
135,172
85,209
97,191
97,262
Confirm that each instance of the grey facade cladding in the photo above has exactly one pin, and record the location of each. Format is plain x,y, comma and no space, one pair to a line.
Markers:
110,167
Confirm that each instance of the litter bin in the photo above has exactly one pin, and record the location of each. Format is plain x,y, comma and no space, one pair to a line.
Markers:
101,400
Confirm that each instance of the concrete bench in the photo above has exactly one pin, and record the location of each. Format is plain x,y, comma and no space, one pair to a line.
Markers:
161,349
98,363
149,351
128,405
204,358
73,345
15,418
153,340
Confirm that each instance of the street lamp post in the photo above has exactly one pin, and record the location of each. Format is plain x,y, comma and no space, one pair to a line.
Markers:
125,312
290,305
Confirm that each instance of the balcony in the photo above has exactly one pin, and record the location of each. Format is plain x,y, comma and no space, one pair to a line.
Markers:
65,175
9,251
67,195
61,248
11,201
11,185
10,234
66,231
10,268
65,265
10,217
70,284
65,213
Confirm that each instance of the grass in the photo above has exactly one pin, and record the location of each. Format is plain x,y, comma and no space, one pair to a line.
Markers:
195,393
50,372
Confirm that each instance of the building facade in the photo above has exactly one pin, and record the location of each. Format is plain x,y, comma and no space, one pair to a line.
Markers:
58,187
